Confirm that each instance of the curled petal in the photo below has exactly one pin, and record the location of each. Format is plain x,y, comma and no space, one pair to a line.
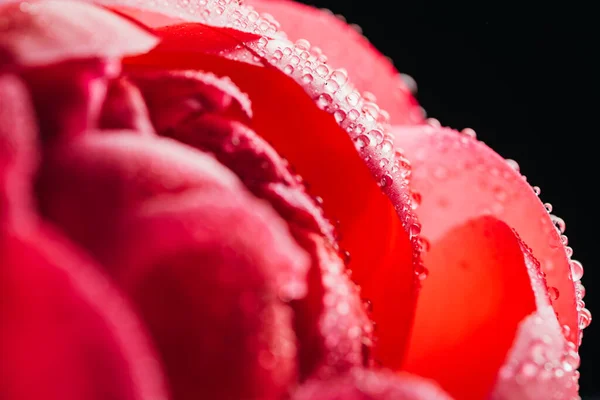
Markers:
459,178
477,293
541,364
317,123
362,384
65,332
46,32
346,47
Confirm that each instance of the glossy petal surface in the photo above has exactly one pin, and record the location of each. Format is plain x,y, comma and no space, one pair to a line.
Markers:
335,172
459,178
477,293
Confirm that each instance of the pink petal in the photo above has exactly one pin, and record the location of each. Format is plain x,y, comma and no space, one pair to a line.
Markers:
362,384
459,178
319,150
46,32
541,364
65,332
197,267
346,47
477,293
18,149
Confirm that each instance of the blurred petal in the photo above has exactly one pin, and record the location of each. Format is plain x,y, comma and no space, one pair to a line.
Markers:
477,293
346,47
18,149
459,178
50,31
541,364
68,96
124,109
371,385
65,333
88,185
302,129
208,270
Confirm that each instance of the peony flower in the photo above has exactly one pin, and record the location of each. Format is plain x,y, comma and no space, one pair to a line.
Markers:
197,205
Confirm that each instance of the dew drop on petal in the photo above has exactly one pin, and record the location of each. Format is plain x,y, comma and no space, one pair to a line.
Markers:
576,270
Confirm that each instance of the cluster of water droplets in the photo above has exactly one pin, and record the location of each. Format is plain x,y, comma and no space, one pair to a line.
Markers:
541,353
584,315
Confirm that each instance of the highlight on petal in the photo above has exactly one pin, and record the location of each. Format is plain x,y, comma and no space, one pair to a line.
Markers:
18,149
317,121
65,332
541,364
477,293
51,31
346,47
360,384
458,178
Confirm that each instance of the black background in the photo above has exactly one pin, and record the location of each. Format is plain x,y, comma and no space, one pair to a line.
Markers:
522,79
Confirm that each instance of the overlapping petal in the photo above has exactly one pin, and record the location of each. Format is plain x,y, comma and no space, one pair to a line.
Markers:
369,228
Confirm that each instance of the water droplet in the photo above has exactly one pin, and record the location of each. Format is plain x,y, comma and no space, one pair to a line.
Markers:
414,229
322,70
548,207
331,86
513,164
324,100
302,44
469,132
307,78
353,98
421,272
340,76
288,69
386,180
559,223
576,270
425,245
553,292
339,116
585,318
410,83
537,190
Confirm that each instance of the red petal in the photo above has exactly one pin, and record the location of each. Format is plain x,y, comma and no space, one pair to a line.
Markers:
47,32
65,333
371,385
18,149
321,152
541,364
196,266
331,324
477,292
346,47
459,178
124,109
